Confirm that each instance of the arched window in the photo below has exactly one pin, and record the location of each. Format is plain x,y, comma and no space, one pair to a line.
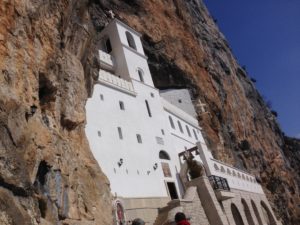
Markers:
108,47
141,74
164,155
180,127
171,122
130,40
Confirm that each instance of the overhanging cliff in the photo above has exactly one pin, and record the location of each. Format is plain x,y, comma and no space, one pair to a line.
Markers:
48,61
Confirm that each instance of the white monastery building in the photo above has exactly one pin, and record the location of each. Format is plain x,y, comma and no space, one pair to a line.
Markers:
144,139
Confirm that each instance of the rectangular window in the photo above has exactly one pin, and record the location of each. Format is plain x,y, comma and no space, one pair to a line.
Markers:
148,108
179,125
99,133
159,140
188,130
162,132
195,134
101,97
120,133
139,138
166,169
171,122
122,106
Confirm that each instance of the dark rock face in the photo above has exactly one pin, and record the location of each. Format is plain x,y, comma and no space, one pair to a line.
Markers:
48,62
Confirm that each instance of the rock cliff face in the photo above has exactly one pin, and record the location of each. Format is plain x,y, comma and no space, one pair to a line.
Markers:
48,61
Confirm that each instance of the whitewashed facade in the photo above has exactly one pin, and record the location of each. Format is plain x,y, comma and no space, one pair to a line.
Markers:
134,131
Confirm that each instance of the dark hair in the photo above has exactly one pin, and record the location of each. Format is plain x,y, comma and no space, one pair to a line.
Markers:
179,217
138,221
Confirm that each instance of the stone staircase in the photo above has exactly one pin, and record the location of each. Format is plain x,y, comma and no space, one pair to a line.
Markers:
190,205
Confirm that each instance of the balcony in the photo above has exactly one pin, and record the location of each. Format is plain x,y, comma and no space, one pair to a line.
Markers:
115,82
219,183
221,187
106,61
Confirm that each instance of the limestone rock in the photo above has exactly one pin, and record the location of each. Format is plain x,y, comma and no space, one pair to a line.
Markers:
48,63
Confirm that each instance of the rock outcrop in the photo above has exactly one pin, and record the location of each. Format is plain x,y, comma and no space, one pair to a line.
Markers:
48,61
47,172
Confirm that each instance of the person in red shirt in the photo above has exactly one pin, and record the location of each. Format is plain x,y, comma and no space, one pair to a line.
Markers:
180,219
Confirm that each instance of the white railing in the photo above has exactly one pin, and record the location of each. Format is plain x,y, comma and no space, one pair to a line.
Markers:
237,178
116,82
106,60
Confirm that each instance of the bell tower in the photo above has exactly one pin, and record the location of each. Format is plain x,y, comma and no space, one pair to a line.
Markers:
124,46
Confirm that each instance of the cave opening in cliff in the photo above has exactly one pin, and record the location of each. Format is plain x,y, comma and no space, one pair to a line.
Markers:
42,172
43,207
47,91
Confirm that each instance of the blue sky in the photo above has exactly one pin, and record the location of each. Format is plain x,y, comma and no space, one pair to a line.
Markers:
265,37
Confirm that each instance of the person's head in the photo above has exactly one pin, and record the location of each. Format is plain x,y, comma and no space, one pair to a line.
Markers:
138,221
179,217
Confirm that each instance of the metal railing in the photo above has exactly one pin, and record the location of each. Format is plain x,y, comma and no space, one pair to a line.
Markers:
219,183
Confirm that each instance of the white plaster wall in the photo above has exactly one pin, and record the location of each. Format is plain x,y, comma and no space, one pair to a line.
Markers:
181,98
134,62
106,116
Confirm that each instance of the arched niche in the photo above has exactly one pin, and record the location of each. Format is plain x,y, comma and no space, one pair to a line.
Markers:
247,212
269,218
256,213
236,215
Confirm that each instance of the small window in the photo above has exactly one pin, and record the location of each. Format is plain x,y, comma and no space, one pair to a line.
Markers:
162,132
152,95
120,133
188,130
130,40
141,75
179,100
171,122
122,107
148,108
108,46
179,125
195,134
139,138
164,155
101,97
99,133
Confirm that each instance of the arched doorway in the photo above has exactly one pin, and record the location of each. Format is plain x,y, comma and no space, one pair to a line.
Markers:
256,213
236,215
270,220
247,212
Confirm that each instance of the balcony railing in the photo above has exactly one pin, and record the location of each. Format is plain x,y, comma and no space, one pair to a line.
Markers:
116,82
219,183
106,60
